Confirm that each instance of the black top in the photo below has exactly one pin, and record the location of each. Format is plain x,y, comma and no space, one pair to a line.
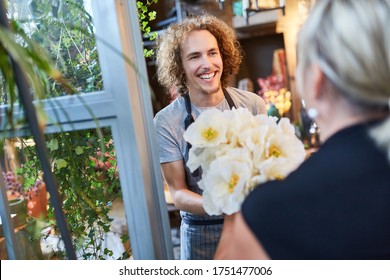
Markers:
336,205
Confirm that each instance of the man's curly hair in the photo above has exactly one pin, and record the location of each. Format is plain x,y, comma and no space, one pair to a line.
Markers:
170,71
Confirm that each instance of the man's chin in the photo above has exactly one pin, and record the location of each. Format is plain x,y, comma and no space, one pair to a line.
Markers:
211,90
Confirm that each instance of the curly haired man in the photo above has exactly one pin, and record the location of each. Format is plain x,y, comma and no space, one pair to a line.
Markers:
195,58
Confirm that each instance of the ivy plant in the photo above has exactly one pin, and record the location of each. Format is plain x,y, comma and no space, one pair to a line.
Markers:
145,17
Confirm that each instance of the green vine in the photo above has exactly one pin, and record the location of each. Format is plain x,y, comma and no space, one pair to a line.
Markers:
145,17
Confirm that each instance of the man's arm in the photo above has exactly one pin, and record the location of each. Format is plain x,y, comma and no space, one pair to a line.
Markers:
183,198
238,242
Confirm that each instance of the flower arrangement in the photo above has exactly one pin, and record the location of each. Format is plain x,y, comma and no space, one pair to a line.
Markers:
238,151
14,188
274,92
35,193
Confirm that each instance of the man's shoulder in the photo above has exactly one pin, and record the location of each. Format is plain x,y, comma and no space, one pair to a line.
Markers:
176,106
172,112
239,91
247,98
243,94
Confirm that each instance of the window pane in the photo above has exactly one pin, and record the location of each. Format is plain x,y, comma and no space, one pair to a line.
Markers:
87,174
65,31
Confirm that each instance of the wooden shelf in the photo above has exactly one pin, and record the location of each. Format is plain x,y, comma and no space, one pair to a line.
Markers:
252,31
258,24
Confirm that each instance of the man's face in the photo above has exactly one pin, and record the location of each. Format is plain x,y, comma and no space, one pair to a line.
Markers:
202,62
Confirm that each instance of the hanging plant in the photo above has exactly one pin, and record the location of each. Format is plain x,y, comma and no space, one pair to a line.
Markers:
145,17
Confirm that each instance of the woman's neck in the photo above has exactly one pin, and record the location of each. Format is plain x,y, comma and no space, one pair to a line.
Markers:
345,118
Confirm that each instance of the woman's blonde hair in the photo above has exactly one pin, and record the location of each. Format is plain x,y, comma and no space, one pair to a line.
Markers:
350,41
170,71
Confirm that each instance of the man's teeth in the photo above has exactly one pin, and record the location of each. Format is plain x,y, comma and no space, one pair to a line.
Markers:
207,76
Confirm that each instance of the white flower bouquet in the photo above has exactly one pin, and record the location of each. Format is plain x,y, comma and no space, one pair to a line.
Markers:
238,151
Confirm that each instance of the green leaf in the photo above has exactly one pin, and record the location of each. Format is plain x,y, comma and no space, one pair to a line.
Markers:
79,150
29,182
152,15
148,53
61,163
53,145
153,36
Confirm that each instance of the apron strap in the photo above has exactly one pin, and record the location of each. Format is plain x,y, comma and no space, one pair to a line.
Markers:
229,99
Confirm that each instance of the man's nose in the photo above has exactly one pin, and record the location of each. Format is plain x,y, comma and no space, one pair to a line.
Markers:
206,62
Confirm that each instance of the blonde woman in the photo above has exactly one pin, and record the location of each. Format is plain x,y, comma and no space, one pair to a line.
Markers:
336,205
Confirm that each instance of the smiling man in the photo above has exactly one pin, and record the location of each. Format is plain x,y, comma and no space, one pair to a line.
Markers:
195,58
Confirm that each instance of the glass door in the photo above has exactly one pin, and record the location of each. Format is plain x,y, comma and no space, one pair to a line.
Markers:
101,137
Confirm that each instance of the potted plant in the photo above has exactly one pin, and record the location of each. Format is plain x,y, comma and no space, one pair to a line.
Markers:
25,210
87,197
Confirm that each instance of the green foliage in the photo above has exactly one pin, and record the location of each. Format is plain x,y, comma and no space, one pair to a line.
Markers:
145,17
69,37
58,53
33,61
87,196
